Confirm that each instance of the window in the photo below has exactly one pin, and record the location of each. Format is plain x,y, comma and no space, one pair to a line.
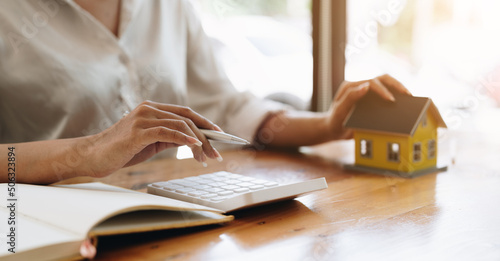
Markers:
424,121
265,46
365,148
417,152
393,152
443,49
431,153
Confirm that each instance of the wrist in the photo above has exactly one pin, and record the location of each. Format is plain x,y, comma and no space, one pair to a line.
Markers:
326,129
83,154
96,164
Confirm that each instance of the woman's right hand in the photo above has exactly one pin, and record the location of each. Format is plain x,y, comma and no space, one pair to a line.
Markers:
147,130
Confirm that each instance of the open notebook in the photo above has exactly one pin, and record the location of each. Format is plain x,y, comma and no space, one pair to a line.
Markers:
53,221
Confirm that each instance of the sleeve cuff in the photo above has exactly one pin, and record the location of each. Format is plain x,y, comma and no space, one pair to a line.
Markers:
249,118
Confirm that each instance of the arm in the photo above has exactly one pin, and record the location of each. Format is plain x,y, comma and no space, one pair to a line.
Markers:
293,129
147,130
36,162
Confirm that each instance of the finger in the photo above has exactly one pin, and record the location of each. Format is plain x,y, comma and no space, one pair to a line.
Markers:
344,88
381,90
188,128
164,134
170,135
182,126
187,112
389,81
148,152
150,117
218,157
207,146
173,123
344,106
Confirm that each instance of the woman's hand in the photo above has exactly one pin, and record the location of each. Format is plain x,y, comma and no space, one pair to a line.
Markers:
349,93
294,129
147,130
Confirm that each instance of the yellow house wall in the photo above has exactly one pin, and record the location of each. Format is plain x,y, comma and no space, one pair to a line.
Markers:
406,163
423,135
379,150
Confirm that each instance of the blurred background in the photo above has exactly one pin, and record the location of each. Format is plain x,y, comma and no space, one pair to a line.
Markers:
447,50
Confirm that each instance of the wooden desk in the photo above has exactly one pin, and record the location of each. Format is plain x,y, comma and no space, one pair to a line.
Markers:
453,215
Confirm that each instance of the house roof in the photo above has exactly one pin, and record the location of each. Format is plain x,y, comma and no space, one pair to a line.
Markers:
401,117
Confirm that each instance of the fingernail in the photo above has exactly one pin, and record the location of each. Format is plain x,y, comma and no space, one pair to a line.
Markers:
204,160
87,250
84,252
364,86
195,141
389,95
218,156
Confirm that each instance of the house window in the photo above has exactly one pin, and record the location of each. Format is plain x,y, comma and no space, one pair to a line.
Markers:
417,152
365,148
431,149
424,121
393,152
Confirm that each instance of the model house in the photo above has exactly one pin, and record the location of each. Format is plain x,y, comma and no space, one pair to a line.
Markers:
395,137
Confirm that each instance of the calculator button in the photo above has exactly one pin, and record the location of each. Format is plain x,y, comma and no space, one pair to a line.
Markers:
245,184
246,179
218,198
203,187
218,184
208,176
172,187
259,181
241,190
232,181
185,183
225,193
214,190
204,181
197,193
219,178
193,178
207,196
184,190
255,187
221,174
234,176
231,187
160,184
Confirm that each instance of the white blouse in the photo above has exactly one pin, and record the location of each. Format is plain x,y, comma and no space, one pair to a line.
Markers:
63,74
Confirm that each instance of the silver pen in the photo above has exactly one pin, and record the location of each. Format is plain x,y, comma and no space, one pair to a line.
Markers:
223,137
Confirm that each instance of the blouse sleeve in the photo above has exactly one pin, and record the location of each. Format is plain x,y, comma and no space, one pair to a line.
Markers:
210,91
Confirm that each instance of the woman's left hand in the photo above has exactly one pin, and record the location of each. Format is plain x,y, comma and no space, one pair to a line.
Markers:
347,96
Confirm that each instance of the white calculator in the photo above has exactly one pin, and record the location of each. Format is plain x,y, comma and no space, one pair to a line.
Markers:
227,191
